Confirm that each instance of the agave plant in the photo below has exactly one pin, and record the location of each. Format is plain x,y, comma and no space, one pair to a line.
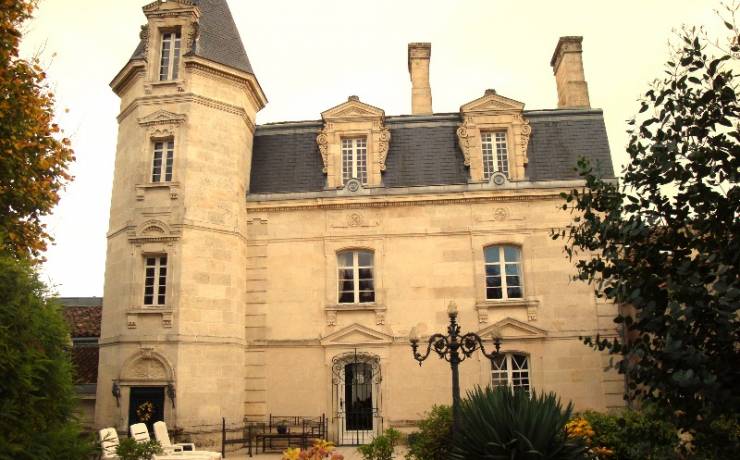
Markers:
501,423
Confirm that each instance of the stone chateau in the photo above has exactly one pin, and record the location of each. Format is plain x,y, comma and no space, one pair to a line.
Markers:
279,268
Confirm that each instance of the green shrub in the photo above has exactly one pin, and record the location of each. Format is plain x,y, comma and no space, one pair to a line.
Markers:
37,399
129,449
498,423
381,448
432,441
634,435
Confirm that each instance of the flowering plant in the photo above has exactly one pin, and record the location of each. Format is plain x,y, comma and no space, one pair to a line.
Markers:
321,449
579,427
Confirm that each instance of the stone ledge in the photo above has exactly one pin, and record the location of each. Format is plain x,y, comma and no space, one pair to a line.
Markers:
133,314
531,304
333,309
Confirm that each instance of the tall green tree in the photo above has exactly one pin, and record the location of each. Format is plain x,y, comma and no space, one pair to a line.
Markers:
663,243
34,158
37,398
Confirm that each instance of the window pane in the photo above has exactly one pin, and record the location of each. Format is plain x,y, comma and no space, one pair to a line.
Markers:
163,260
148,300
346,297
514,292
493,293
150,261
367,296
491,254
511,253
502,154
366,285
344,259
493,270
512,281
365,273
365,258
488,160
493,281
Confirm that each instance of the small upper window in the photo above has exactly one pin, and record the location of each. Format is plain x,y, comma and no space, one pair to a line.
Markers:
155,280
354,159
495,153
503,273
355,275
169,63
510,369
164,153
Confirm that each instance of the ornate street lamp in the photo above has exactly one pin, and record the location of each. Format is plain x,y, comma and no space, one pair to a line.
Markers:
454,348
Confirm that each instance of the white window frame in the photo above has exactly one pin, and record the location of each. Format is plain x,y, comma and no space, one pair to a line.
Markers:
163,157
169,55
514,378
155,277
502,264
495,153
355,267
354,159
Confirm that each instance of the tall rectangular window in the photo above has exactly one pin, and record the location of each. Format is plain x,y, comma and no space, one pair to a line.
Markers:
164,155
355,275
503,272
169,63
495,153
155,280
510,369
354,159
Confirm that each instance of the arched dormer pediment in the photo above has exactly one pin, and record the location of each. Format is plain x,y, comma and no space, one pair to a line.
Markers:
351,121
153,231
494,125
146,366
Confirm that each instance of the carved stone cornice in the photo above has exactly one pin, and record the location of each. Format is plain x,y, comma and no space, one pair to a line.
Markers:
404,203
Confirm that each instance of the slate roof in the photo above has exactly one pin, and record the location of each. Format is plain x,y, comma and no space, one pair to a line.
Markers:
424,151
83,315
219,39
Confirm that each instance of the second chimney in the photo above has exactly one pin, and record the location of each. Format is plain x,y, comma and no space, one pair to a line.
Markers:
567,64
421,92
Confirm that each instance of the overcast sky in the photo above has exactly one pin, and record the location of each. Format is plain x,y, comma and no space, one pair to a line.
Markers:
310,55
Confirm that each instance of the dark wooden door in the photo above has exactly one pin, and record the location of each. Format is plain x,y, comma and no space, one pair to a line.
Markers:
146,405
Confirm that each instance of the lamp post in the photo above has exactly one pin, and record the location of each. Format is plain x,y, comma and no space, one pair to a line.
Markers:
453,348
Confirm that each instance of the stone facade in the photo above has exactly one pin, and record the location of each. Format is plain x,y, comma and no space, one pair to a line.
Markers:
251,322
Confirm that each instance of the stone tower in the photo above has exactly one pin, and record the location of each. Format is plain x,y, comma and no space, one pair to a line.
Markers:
173,329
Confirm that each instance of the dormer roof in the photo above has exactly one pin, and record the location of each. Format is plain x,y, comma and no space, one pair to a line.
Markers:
218,37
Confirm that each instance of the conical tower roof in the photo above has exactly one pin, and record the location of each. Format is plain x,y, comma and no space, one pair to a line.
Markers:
218,38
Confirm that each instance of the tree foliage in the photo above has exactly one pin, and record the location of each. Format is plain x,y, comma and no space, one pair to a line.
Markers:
36,391
432,441
34,159
663,243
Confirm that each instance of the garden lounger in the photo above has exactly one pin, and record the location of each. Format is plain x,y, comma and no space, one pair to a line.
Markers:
140,433
186,449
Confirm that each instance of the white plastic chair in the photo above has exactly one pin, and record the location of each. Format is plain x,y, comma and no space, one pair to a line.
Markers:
109,442
140,433
185,449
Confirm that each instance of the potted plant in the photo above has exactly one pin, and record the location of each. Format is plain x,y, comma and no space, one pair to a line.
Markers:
282,427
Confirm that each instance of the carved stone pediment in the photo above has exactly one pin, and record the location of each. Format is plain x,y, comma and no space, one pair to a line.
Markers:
162,117
511,328
153,230
352,110
168,6
147,366
492,102
356,334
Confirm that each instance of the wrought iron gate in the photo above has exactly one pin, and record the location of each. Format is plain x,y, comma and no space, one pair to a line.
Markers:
356,398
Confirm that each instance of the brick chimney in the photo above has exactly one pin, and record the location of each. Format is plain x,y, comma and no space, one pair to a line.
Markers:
567,65
421,92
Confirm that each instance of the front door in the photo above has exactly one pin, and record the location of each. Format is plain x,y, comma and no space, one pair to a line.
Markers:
146,405
358,400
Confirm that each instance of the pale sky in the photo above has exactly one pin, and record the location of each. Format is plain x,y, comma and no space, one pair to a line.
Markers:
310,55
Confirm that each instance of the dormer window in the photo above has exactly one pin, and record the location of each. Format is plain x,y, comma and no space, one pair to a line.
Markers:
354,159
494,138
169,63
